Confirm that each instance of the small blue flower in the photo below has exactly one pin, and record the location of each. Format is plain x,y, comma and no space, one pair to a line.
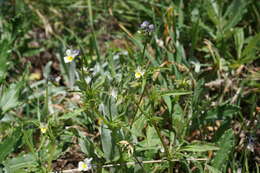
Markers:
147,27
144,25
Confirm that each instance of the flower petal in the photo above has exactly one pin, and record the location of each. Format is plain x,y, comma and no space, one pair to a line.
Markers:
144,25
75,53
69,52
88,160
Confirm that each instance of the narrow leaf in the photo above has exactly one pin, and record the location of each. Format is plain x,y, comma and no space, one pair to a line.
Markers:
8,145
199,148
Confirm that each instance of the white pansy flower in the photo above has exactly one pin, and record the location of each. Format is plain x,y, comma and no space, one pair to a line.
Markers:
124,53
85,165
70,55
139,73
113,93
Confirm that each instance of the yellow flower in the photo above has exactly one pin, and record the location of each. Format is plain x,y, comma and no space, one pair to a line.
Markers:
70,55
85,165
139,73
35,76
43,128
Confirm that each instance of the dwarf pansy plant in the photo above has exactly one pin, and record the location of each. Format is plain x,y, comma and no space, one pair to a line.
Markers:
70,55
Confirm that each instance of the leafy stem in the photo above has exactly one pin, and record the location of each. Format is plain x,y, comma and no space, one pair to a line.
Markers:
168,155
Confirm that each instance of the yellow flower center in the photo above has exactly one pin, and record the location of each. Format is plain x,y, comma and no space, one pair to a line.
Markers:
138,74
43,129
70,58
84,165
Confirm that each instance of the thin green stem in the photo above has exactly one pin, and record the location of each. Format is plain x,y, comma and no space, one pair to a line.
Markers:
138,105
168,155
83,73
90,14
46,102
139,163
143,52
142,95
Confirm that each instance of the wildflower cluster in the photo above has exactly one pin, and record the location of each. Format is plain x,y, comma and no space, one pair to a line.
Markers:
147,27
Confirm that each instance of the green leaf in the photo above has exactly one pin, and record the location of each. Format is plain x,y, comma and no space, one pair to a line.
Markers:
71,114
250,52
199,148
213,11
140,7
222,112
175,93
152,137
168,102
108,140
4,54
239,41
226,144
212,169
138,125
9,97
178,122
32,52
151,142
86,145
234,13
8,144
21,164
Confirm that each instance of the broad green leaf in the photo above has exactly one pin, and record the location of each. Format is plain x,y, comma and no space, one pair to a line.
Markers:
138,125
152,137
222,112
71,114
178,122
109,143
151,142
86,145
212,169
9,98
8,144
250,52
226,144
21,164
234,13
